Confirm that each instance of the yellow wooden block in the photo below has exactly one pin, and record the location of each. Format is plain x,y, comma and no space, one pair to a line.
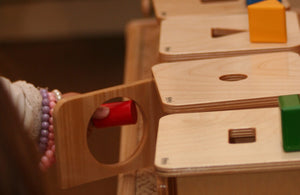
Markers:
267,22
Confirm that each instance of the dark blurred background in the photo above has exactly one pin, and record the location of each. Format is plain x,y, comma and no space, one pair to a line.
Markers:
70,45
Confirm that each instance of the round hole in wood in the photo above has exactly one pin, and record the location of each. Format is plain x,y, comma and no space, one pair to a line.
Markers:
233,77
104,136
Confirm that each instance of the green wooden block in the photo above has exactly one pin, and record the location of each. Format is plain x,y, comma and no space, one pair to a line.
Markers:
290,121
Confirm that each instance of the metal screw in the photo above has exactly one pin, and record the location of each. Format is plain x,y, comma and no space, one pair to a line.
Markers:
169,99
163,186
164,161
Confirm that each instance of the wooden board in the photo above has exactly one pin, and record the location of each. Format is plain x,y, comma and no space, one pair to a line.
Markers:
142,37
196,85
169,8
197,143
189,37
76,164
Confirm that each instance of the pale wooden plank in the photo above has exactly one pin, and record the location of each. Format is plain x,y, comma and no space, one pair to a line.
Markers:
196,84
197,143
189,37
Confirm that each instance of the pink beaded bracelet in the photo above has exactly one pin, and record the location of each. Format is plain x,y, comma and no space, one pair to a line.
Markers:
47,144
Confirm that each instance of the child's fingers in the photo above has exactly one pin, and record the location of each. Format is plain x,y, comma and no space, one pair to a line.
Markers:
101,112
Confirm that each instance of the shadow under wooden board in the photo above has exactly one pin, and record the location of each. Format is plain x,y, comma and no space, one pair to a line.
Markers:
169,8
193,37
267,77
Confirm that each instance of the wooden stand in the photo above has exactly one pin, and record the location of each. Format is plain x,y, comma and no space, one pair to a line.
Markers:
142,40
194,147
194,151
77,165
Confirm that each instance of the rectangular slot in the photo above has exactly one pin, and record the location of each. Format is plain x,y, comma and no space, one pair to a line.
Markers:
243,135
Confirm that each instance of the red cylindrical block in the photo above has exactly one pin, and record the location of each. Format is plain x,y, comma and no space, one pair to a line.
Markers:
121,113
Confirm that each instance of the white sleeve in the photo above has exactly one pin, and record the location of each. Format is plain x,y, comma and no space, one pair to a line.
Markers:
28,102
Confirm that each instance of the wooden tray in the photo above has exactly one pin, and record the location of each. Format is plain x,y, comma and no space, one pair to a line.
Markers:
190,37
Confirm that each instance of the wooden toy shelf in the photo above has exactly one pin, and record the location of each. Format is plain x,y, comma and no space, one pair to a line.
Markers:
174,75
195,94
196,148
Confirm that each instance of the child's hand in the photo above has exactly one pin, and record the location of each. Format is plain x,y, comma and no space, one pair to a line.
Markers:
101,112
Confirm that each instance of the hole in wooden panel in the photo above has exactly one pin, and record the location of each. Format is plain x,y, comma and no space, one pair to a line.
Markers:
243,135
221,32
103,136
215,1
233,77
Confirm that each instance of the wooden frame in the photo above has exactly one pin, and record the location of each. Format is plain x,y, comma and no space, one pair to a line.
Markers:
76,165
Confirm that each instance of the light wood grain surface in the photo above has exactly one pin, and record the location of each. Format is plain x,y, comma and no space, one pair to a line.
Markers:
189,84
197,143
189,37
76,164
166,8
142,38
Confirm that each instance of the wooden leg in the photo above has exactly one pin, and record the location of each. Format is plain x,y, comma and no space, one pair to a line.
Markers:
142,38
